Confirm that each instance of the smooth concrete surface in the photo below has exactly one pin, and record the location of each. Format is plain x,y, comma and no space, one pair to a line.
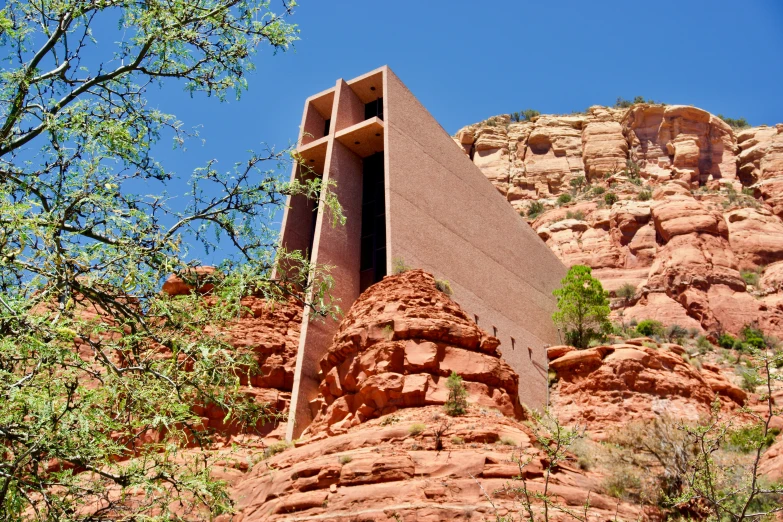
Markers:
337,247
442,215
350,109
447,218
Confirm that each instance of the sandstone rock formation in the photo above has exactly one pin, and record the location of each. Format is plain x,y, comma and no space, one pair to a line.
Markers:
698,204
389,359
395,349
268,330
605,387
416,464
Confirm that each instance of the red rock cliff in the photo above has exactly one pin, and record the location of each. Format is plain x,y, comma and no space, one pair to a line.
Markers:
698,203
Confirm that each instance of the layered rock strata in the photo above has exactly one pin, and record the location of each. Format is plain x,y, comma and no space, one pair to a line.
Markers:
698,204
605,387
417,464
268,330
396,348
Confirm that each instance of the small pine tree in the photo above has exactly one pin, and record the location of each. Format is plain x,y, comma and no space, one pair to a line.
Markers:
458,396
582,307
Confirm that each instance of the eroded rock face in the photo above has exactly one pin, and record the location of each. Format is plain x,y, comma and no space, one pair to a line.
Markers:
395,466
607,386
760,163
396,348
268,330
706,205
680,142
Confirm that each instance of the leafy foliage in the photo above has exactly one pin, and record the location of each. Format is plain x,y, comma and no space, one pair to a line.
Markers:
444,286
582,307
726,340
610,198
627,291
703,345
535,209
753,336
748,438
675,333
622,103
564,198
729,492
100,371
399,266
736,123
578,183
526,115
650,327
457,404
555,440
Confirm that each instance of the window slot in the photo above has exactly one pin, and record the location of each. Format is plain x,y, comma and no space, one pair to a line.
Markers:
374,108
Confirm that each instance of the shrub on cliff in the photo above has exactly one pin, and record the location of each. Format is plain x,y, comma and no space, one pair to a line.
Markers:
676,333
726,340
735,123
526,115
610,198
650,328
535,209
582,307
458,396
563,199
627,291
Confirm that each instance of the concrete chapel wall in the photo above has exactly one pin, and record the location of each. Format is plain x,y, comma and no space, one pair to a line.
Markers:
442,215
447,218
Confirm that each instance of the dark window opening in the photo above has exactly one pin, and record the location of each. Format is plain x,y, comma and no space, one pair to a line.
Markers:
327,123
372,264
313,204
374,108
314,213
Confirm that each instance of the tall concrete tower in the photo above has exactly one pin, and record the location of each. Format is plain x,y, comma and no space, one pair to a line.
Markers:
410,193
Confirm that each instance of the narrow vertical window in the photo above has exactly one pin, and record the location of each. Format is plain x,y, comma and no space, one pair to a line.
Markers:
372,264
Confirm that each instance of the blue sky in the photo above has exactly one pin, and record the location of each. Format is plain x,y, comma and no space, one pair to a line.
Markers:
466,61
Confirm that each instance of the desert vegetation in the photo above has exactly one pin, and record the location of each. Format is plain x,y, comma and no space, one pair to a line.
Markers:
582,307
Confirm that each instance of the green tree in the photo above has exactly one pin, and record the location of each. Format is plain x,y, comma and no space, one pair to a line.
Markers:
535,209
93,358
582,307
726,490
650,327
457,404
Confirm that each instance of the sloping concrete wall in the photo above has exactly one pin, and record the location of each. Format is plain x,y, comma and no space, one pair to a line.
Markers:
442,215
447,218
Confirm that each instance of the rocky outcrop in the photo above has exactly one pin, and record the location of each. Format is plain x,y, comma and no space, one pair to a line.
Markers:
760,164
396,348
680,142
539,158
605,387
416,464
267,330
697,205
